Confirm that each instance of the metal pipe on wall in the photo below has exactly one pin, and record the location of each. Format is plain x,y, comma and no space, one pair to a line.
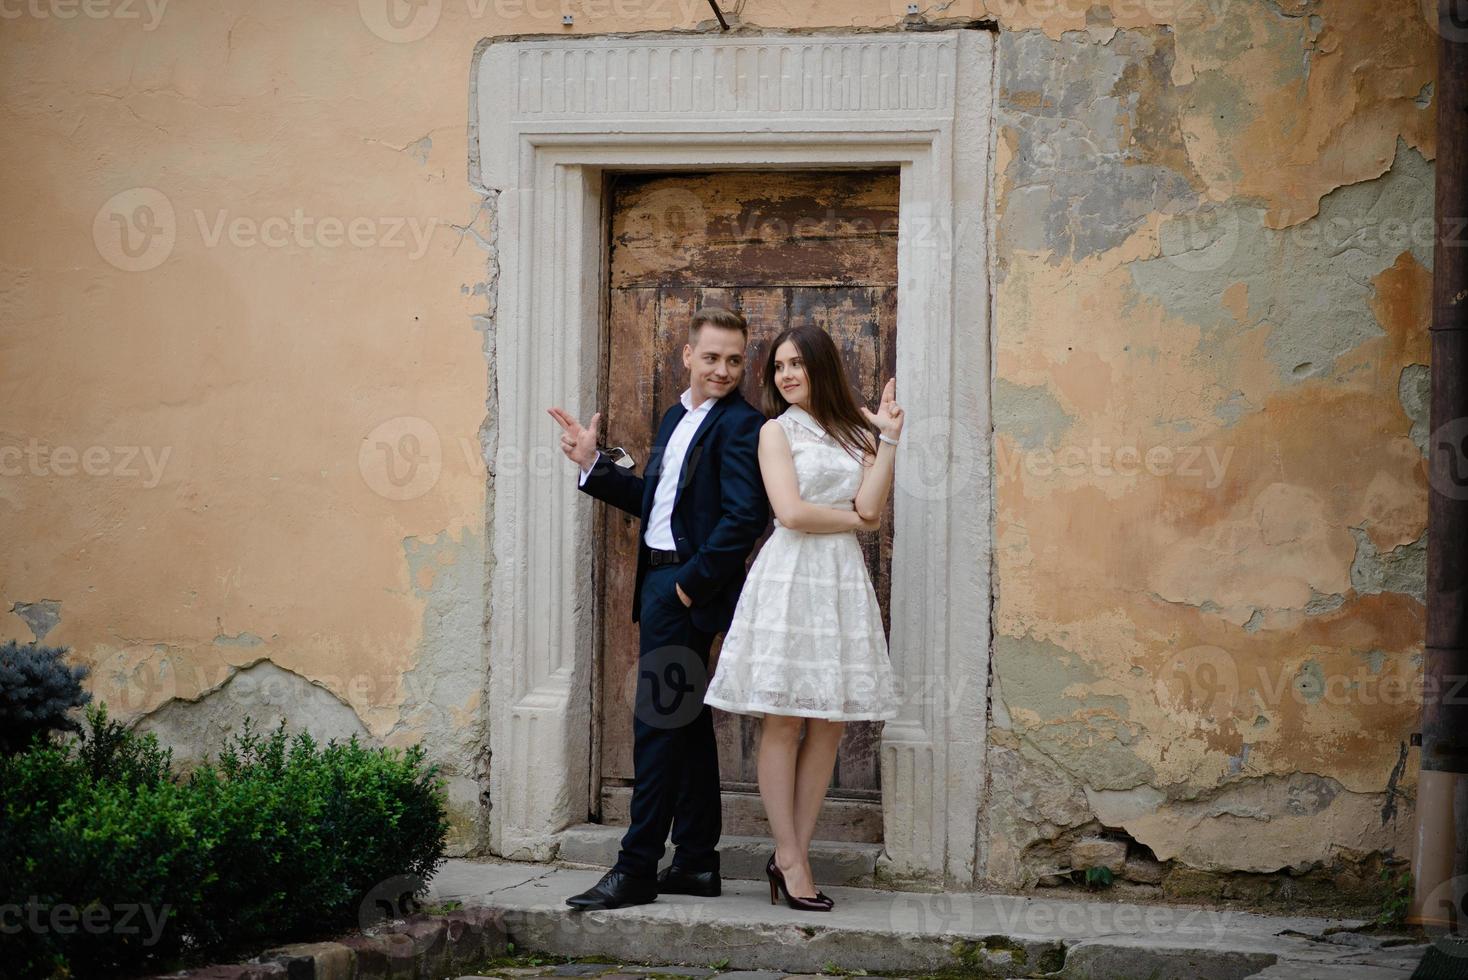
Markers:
1440,859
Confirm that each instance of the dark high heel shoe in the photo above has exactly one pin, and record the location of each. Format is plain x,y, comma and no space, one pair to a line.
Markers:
777,885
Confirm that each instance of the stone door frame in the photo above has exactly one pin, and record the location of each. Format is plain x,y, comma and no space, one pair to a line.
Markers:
548,117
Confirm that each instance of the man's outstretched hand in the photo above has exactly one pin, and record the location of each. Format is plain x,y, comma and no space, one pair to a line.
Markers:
579,444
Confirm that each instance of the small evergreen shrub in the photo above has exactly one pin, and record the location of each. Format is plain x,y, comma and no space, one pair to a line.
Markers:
278,839
36,692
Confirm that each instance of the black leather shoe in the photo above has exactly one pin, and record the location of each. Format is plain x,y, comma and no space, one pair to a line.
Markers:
674,880
615,890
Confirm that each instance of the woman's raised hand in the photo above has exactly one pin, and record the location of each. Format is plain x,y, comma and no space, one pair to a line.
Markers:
888,417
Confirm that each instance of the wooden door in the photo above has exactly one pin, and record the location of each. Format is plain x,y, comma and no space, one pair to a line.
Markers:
784,248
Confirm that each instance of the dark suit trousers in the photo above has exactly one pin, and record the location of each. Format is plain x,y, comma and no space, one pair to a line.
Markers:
675,759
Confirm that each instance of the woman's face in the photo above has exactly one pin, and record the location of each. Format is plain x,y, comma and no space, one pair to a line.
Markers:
790,374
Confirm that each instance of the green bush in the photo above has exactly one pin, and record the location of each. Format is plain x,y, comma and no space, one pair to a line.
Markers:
277,839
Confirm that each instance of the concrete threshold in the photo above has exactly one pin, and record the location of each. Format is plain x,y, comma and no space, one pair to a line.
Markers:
978,934
834,862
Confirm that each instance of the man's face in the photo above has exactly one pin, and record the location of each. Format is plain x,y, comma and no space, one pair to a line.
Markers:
715,362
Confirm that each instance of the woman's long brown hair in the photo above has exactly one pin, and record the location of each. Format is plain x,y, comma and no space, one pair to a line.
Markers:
831,400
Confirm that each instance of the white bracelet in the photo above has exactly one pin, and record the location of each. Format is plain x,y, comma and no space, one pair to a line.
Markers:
883,436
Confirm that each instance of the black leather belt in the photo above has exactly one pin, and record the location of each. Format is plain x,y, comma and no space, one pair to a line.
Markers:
660,557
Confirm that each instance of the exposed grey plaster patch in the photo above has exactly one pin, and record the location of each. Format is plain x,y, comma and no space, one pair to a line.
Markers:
998,713
1311,283
443,703
1375,660
223,677
1321,603
1295,8
264,692
1030,414
1414,390
1310,681
1223,98
1233,408
418,149
1207,605
1032,805
1309,794
1225,40
40,616
1403,569
1173,825
1092,731
1078,186
1424,98
450,663
238,640
1318,604
1236,763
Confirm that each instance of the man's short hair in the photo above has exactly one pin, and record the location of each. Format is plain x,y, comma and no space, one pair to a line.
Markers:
719,317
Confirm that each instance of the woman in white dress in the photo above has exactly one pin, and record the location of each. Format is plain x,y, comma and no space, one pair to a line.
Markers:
806,647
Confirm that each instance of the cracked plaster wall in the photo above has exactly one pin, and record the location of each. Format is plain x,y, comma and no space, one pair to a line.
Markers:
1214,244
1197,248
287,513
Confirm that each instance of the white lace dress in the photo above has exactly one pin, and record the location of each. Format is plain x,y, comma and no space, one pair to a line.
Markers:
806,638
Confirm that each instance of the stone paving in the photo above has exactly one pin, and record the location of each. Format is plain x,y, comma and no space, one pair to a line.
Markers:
913,934
623,971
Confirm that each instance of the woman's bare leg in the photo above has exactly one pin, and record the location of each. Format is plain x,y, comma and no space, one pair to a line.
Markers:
813,767
779,745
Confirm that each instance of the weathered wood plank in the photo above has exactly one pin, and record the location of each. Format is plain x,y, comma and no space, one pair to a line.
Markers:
755,228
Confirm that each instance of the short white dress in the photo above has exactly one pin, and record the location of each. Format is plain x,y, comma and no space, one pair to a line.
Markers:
806,638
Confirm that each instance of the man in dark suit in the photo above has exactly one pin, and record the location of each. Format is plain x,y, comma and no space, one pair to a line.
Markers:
703,507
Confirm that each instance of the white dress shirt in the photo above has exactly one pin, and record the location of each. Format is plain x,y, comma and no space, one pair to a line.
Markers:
659,530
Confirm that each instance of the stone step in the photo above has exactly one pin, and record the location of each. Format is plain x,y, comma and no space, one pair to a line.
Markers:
833,862
905,933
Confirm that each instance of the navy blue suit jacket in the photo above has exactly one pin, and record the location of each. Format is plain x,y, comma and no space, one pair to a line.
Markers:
719,512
